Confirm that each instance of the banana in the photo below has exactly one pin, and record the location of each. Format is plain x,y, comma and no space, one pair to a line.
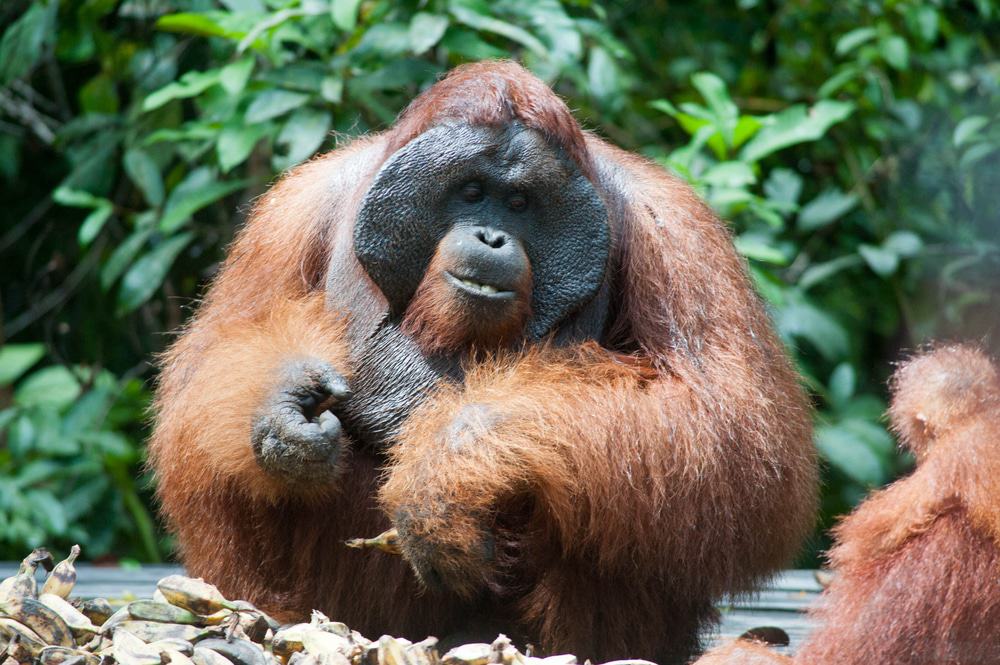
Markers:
27,639
175,657
62,578
203,656
240,652
98,610
154,631
23,584
173,644
46,623
150,610
130,650
193,594
60,655
387,541
77,621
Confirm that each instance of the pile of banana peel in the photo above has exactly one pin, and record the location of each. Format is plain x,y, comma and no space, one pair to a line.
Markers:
189,622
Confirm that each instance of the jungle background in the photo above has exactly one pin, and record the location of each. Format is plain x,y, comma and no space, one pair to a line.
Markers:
853,147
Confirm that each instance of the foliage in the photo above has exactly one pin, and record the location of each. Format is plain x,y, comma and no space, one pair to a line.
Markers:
853,147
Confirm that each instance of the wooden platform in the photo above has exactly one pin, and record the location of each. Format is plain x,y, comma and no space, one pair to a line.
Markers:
782,604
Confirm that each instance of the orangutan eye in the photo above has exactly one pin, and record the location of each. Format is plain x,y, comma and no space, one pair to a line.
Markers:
518,202
472,192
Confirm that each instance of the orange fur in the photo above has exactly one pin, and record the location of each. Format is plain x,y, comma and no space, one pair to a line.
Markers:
744,652
629,483
440,322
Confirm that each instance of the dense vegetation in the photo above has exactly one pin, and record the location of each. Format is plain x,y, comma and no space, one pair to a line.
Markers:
853,146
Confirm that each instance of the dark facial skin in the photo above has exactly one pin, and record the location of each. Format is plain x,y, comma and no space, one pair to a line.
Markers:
484,264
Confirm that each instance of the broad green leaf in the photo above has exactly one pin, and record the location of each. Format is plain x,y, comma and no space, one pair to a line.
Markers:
273,103
602,75
189,85
838,81
144,172
795,125
22,42
302,135
78,198
331,89
201,188
872,435
853,39
843,382
234,76
193,23
905,244
54,386
122,257
48,511
850,455
820,272
236,142
426,30
896,52
485,23
826,208
759,248
745,128
345,13
968,128
883,261
729,174
146,275
469,45
800,319
16,359
99,95
93,224
783,186
723,110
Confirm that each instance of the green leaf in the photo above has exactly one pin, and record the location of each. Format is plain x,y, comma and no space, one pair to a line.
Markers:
99,95
78,198
602,75
829,206
837,81
843,382
16,359
759,248
93,224
194,24
800,319
783,186
473,19
345,14
199,189
147,274
331,89
426,30
302,135
272,103
844,451
853,39
122,257
144,172
820,272
236,142
730,174
189,85
54,386
234,76
905,244
22,42
723,110
884,262
968,128
795,125
896,52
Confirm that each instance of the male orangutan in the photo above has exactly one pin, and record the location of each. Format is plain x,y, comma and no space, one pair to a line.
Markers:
917,578
534,354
